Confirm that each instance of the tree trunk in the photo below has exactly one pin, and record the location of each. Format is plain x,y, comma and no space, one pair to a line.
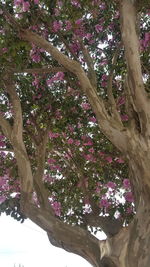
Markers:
131,246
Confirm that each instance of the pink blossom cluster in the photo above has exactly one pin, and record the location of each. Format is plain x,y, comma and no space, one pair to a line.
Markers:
85,106
2,199
75,3
53,135
89,157
75,47
104,203
145,42
24,5
92,119
2,141
98,28
56,205
57,25
4,183
58,77
35,54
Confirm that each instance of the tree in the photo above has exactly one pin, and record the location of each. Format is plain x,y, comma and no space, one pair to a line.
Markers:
75,124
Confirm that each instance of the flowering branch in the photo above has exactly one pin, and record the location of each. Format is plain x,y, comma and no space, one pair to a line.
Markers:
110,127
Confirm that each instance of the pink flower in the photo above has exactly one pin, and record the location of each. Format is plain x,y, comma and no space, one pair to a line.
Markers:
17,2
145,42
56,12
104,203
80,31
36,2
86,106
36,82
56,207
124,117
2,199
56,26
91,150
88,36
58,114
77,143
89,157
129,210
126,184
71,129
97,190
26,6
2,137
70,141
111,185
49,81
50,160
121,101
104,62
104,77
98,28
101,153
119,160
3,181
4,49
67,156
92,119
78,22
53,135
75,3
2,144
60,75
48,178
88,143
35,54
68,25
75,47
55,168
129,196
109,159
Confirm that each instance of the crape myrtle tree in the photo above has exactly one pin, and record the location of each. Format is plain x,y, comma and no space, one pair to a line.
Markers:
75,124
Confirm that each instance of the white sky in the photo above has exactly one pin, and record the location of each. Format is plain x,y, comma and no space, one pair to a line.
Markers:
26,244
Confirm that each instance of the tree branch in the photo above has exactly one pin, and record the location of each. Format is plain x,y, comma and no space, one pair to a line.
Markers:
6,127
42,192
111,98
131,43
90,64
77,240
17,111
109,126
110,226
41,70
16,137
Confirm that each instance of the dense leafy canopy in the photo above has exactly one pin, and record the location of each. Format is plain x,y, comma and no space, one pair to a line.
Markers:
83,171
